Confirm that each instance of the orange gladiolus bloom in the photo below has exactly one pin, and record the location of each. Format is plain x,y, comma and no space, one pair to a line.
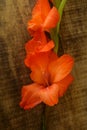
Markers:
39,43
43,16
51,76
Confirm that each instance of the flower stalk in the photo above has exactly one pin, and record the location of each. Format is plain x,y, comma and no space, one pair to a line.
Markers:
59,4
55,38
60,9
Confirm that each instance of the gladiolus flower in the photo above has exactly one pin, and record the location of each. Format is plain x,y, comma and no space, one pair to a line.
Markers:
43,16
52,77
39,43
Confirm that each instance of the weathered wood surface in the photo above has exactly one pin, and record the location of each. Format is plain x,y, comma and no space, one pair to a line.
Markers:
71,112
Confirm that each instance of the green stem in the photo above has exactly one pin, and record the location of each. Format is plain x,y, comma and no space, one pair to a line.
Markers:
56,44
55,38
57,3
60,9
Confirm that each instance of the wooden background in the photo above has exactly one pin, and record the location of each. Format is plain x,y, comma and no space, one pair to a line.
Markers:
71,112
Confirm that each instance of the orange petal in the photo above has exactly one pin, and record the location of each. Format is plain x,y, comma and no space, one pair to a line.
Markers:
64,84
52,19
37,76
40,60
60,68
38,66
42,8
39,14
48,46
30,97
34,24
53,56
37,43
49,95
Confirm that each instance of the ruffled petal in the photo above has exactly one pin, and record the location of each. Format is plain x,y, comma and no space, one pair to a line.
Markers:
38,64
52,19
42,7
64,84
39,14
47,47
60,68
49,95
39,60
34,25
30,97
37,43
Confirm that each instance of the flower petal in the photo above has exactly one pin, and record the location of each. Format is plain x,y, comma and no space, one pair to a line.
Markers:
40,60
37,43
52,19
38,64
60,68
30,97
34,25
64,84
42,7
48,46
39,14
49,95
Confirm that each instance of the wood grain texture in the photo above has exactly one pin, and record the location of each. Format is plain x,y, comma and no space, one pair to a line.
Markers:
13,73
71,112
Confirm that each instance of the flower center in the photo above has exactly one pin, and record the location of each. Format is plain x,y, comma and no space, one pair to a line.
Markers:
46,77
